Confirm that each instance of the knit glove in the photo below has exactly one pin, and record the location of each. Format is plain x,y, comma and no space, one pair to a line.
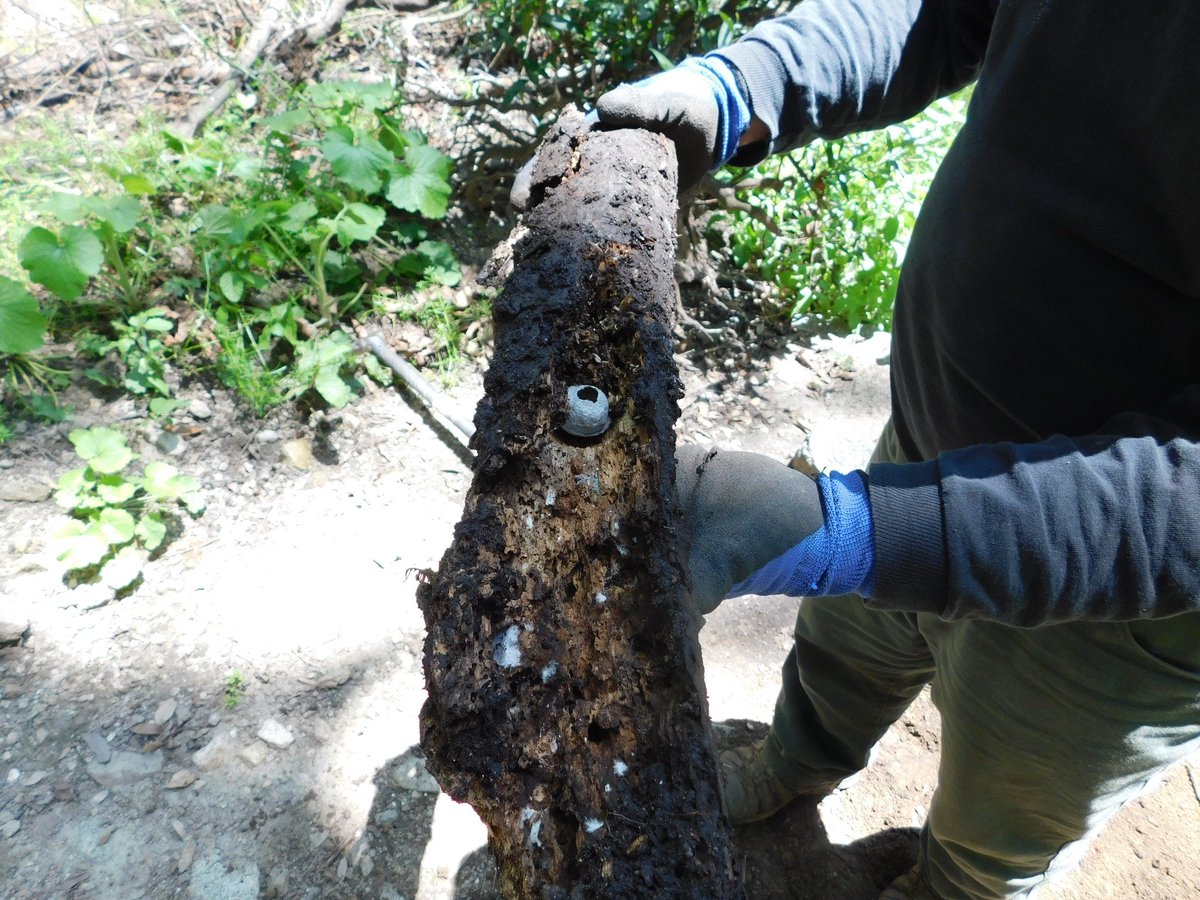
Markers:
758,527
697,104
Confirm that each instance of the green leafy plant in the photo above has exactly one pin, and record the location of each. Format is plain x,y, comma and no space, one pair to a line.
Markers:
320,364
831,239
63,261
276,232
22,325
580,47
115,512
235,689
30,379
139,346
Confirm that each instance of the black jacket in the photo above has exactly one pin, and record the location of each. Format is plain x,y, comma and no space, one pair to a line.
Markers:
1046,352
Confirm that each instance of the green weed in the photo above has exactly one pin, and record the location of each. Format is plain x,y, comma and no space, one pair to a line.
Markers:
277,232
235,688
842,218
115,512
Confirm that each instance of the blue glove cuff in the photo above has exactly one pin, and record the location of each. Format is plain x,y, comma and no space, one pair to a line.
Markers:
733,112
838,558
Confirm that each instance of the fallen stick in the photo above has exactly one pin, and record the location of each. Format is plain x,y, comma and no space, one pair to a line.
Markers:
566,698
409,374
260,36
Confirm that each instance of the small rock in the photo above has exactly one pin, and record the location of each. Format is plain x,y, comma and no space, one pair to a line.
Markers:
277,883
255,753
366,866
387,816
126,767
13,632
170,443
181,779
333,678
105,835
409,772
216,752
179,829
99,746
275,734
199,409
342,868
266,436
25,491
186,855
390,893
164,711
298,454
22,540
9,828
33,778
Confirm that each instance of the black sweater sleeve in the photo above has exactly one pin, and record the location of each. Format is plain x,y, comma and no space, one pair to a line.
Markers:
1104,527
832,67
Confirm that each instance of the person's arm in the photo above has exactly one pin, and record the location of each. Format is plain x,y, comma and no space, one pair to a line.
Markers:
832,67
1104,527
825,70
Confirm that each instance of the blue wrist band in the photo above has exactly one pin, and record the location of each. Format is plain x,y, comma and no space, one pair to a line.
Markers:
838,558
733,112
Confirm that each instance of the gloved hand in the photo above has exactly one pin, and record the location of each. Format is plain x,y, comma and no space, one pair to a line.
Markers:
697,104
759,527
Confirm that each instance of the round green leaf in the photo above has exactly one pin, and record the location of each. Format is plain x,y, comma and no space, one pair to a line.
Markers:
21,322
421,184
359,222
70,486
121,571
117,525
104,449
137,185
79,545
333,388
231,286
151,531
61,263
163,482
121,212
356,157
114,490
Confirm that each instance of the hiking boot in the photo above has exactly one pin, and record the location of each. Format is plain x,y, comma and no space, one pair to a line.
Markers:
750,791
909,886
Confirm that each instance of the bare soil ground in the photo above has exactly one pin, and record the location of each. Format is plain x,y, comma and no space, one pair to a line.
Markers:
124,772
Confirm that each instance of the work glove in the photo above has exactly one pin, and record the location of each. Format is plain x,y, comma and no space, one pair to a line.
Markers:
758,527
697,104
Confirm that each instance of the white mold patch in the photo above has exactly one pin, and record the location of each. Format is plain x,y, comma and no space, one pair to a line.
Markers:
506,649
590,825
619,768
529,815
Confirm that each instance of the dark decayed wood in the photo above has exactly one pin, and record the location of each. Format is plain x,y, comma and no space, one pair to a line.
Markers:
566,700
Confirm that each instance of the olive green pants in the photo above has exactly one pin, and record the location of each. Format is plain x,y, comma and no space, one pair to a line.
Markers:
1046,732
